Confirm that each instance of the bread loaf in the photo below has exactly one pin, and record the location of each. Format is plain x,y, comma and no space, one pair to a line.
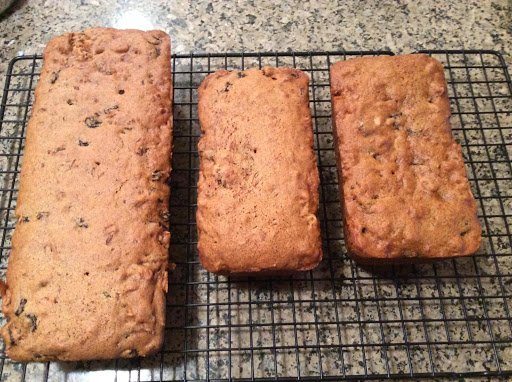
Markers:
87,274
258,180
402,179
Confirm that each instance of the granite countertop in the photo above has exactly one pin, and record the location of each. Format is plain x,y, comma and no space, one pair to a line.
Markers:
401,26
265,25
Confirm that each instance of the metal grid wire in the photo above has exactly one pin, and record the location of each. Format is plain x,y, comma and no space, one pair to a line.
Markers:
340,320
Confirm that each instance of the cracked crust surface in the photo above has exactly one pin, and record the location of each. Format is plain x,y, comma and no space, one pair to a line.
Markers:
258,180
402,178
87,272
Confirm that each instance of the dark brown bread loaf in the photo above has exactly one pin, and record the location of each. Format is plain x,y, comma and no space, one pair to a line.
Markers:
87,273
402,178
258,180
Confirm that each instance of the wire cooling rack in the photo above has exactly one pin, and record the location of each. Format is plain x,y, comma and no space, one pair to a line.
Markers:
449,319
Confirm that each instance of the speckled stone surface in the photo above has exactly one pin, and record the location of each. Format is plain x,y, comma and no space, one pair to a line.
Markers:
266,25
262,313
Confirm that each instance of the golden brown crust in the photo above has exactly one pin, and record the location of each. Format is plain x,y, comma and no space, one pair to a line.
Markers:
258,180
403,183
87,273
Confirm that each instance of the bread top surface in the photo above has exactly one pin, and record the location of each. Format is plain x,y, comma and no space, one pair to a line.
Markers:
405,190
87,272
258,180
